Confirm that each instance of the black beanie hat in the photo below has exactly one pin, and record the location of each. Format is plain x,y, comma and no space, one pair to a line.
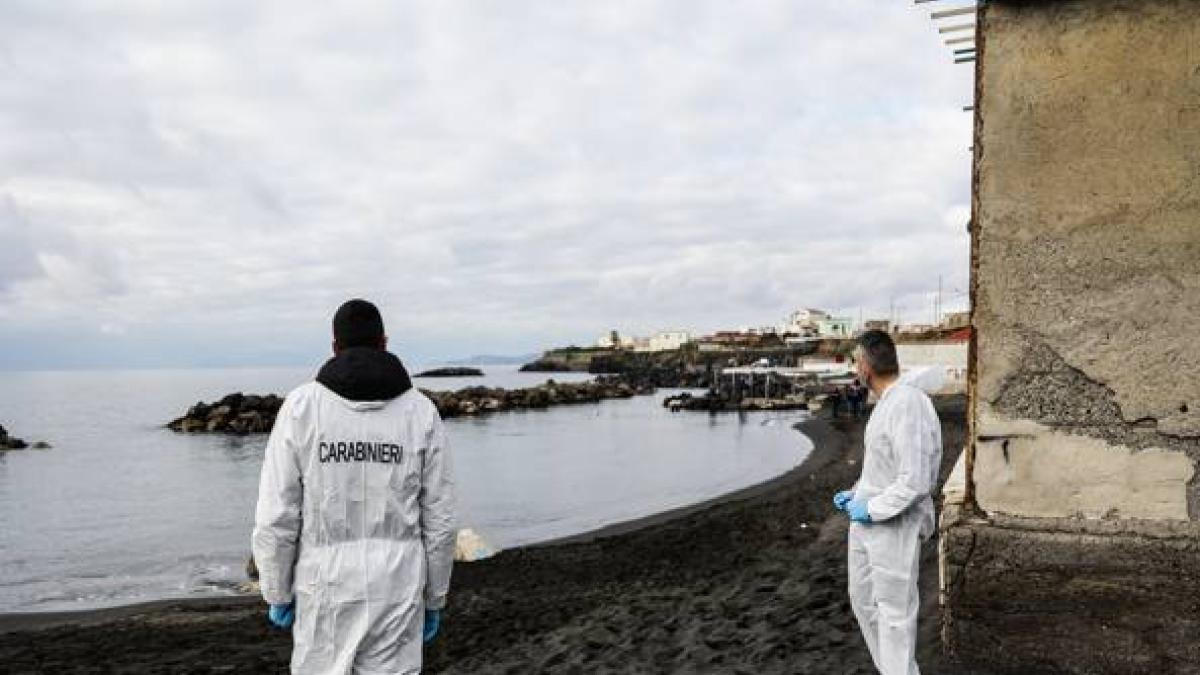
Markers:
357,323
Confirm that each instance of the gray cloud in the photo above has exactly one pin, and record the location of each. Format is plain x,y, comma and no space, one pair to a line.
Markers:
499,176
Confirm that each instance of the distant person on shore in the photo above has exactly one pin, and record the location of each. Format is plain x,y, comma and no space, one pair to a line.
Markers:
890,509
835,401
354,531
859,394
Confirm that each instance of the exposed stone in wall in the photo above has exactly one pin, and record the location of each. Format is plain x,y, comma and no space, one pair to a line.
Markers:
1048,390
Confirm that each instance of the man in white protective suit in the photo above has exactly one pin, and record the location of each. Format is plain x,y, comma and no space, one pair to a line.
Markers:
354,531
890,507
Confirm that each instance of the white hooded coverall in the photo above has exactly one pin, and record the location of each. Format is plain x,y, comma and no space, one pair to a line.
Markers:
355,521
903,454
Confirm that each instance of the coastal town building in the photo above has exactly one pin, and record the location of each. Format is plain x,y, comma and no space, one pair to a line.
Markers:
610,340
803,323
725,340
877,324
835,327
948,357
956,320
662,341
802,319
913,328
814,324
1070,533
668,340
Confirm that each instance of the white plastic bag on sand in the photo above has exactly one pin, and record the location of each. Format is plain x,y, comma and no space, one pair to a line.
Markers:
929,379
471,546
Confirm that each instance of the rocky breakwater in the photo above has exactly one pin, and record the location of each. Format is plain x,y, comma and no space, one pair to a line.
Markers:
712,401
235,414
480,400
454,371
247,414
544,365
13,443
9,442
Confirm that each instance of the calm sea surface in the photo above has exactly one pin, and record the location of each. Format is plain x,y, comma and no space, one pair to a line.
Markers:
121,510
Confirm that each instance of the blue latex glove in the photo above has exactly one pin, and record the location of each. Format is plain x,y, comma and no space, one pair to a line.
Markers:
841,499
282,616
857,510
433,621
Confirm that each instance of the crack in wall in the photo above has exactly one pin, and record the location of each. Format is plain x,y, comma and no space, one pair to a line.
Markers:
1055,394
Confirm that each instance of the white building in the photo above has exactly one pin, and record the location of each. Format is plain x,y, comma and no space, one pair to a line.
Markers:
663,341
669,340
948,357
804,322
835,327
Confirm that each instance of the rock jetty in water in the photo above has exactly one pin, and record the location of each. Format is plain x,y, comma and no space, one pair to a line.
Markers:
10,443
546,366
242,414
478,400
454,371
235,414
715,402
13,443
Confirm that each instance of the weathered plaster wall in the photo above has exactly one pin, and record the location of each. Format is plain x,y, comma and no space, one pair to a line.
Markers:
952,355
950,359
1087,304
1073,543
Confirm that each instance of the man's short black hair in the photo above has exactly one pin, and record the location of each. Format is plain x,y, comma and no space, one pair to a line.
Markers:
879,352
357,323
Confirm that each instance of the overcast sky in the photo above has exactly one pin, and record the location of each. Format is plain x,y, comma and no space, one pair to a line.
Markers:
187,183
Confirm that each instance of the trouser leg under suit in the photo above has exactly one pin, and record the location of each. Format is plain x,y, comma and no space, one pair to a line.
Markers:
884,562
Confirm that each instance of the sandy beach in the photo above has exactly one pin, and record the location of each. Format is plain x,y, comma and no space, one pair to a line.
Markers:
753,582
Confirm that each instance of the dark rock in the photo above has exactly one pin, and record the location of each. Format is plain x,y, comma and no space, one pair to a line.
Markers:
199,411
451,372
9,442
541,366
249,413
234,401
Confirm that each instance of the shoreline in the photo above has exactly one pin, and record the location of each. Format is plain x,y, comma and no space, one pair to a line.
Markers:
751,582
663,517
21,621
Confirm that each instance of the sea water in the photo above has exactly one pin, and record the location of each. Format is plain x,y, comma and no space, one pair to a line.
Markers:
122,510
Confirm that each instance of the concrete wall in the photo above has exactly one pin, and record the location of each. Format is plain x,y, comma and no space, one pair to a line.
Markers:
1086,273
950,358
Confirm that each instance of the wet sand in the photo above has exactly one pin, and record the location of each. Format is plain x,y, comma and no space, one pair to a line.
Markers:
753,582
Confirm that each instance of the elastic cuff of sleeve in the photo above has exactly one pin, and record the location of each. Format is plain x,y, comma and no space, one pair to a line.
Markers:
275,596
435,603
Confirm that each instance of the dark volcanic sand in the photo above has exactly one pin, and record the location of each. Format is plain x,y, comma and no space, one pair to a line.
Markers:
751,583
